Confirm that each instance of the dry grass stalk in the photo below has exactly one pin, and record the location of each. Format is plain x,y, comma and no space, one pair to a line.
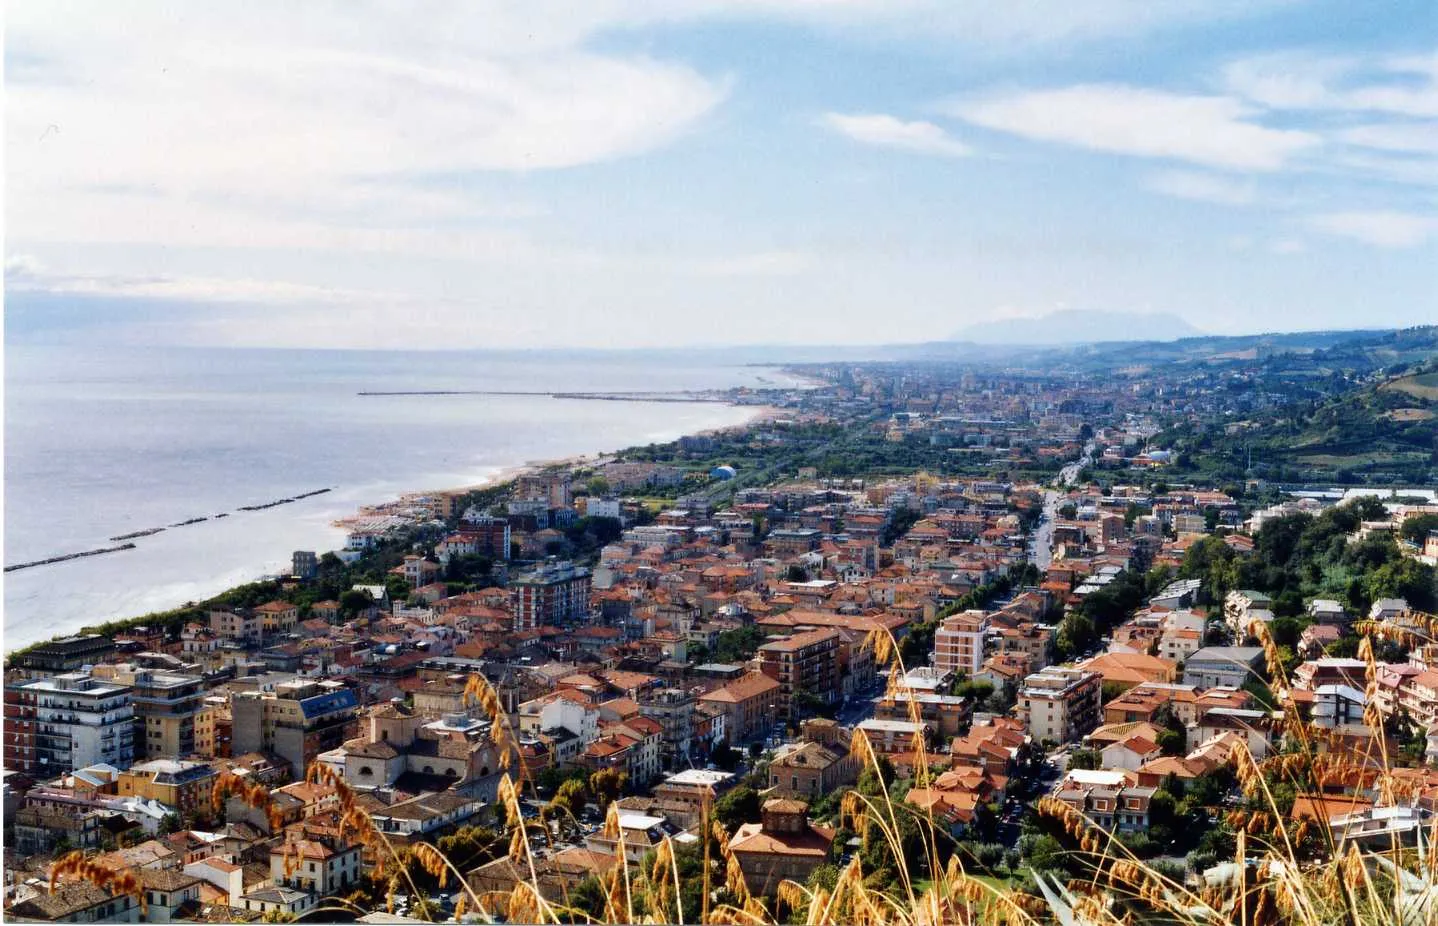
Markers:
76,866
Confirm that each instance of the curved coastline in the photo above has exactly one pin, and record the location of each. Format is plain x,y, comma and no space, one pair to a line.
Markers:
491,478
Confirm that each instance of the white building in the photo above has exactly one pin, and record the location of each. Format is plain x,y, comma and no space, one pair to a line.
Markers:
602,508
959,643
79,721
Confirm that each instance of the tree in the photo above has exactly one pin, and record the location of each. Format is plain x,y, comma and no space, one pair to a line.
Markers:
569,800
725,756
876,776
739,806
470,846
551,778
1076,634
1415,529
354,601
1085,759
1172,742
587,900
1405,578
605,786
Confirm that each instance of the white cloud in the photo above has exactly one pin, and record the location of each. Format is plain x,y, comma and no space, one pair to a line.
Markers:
1287,246
1212,131
311,123
1402,137
886,131
1211,188
1379,228
1302,81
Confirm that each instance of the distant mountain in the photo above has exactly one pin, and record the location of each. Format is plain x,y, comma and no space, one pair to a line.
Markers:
1076,326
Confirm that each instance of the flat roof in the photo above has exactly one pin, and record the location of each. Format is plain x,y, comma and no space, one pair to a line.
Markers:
698,776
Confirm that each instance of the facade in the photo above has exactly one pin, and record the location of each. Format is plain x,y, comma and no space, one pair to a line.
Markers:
805,663
552,594
240,624
183,786
1107,799
167,707
673,709
751,704
65,655
277,616
304,564
1060,704
783,846
811,770
945,714
314,867
297,722
693,788
59,724
170,896
1227,666
959,643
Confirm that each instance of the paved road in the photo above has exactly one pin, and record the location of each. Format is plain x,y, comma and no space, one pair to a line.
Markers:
1041,542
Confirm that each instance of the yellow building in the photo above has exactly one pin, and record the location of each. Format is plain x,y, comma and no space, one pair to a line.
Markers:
185,786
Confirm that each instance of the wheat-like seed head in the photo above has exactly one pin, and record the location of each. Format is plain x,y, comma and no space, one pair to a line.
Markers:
119,884
432,861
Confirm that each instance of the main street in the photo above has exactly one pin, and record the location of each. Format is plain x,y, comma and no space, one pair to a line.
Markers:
1041,543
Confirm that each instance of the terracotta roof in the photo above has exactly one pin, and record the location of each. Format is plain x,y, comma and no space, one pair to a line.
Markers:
814,841
742,688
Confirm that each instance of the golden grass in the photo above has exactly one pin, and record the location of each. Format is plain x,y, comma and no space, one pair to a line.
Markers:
1282,871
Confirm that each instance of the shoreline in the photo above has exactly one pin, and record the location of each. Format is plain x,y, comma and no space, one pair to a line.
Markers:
507,474
533,467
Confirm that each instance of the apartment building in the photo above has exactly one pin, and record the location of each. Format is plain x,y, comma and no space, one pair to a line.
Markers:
67,654
59,724
167,708
751,704
277,616
554,593
673,709
959,643
1106,798
1060,704
805,663
185,786
297,721
242,625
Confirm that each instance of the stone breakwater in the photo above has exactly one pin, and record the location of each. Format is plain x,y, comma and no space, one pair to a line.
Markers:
151,531
69,556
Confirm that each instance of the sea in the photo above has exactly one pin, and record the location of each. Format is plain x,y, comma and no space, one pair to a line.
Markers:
105,442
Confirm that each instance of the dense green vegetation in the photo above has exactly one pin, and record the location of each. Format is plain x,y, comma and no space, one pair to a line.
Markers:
1359,423
1298,557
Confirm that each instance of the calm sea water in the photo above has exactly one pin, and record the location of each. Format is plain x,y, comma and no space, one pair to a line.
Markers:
102,443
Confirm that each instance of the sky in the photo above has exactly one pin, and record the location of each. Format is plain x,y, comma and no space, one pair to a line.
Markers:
621,173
